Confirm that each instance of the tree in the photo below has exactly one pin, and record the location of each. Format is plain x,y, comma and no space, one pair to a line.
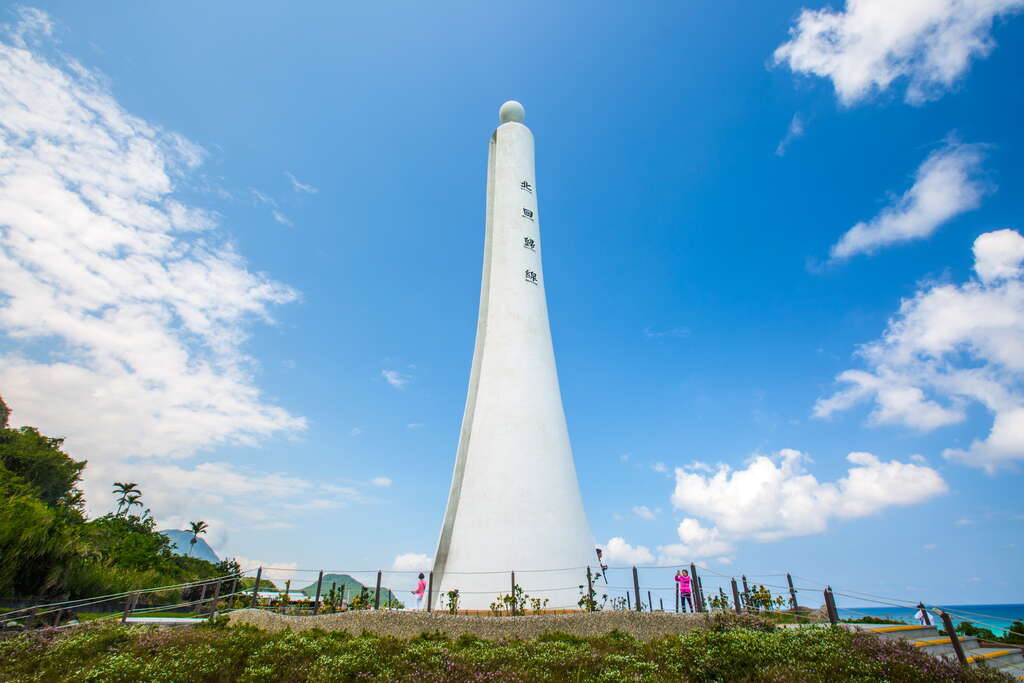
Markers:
198,527
125,491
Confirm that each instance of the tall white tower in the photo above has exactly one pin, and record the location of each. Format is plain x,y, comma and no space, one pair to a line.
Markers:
515,501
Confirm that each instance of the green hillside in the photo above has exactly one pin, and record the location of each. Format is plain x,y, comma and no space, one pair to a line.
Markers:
352,588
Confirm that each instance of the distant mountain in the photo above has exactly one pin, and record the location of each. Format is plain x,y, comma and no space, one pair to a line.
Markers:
180,541
352,588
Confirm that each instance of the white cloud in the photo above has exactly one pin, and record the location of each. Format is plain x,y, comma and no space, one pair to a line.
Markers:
355,431
930,546
300,187
794,131
670,333
381,481
412,562
643,512
414,425
275,571
698,542
660,467
947,184
950,345
774,497
141,305
872,43
395,378
618,552
282,219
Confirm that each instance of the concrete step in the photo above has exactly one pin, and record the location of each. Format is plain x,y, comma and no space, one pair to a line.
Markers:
1015,670
941,645
996,657
892,632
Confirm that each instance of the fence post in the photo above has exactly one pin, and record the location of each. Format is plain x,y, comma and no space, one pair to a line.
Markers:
661,603
676,591
319,585
216,596
746,592
629,603
792,591
947,624
513,594
430,589
341,600
636,591
129,606
830,606
696,594
590,590
703,598
736,596
650,603
376,599
256,587
924,613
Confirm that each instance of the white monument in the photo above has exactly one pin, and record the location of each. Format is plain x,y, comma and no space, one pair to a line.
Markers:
515,501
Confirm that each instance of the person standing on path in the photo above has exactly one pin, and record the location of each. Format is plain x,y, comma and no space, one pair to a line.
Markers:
683,582
421,589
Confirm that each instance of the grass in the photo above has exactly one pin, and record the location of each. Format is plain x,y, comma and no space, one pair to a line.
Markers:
217,652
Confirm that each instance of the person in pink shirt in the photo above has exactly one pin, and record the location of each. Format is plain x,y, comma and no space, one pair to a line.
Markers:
421,589
685,594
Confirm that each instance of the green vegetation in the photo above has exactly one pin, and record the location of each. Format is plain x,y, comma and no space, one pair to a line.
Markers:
50,551
219,653
1012,636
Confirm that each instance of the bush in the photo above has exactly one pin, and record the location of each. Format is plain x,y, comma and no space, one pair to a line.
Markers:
243,653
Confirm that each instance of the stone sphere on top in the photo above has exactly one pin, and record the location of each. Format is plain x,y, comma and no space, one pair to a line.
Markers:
511,111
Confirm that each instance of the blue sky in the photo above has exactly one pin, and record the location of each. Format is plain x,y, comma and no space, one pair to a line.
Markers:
242,246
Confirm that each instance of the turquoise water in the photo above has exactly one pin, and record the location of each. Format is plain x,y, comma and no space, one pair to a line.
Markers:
997,618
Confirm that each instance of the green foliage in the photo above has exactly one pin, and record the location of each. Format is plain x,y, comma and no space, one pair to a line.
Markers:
47,547
452,601
221,653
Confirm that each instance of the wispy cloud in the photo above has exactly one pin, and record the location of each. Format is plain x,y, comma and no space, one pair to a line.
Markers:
381,481
414,425
148,302
644,512
395,378
301,187
871,44
275,212
795,130
947,184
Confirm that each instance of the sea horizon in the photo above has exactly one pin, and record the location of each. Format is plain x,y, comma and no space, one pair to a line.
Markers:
995,617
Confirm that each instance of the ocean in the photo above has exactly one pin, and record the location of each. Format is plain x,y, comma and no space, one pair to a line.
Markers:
996,618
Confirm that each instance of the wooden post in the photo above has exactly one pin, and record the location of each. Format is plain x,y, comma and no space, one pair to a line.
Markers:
216,596
736,596
513,594
661,603
636,591
256,588
133,599
590,591
676,591
703,598
202,597
629,603
924,612
341,600
695,593
376,599
319,584
792,592
430,589
746,592
954,639
830,606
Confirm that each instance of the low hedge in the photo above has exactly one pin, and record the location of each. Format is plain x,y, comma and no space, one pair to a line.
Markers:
218,652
